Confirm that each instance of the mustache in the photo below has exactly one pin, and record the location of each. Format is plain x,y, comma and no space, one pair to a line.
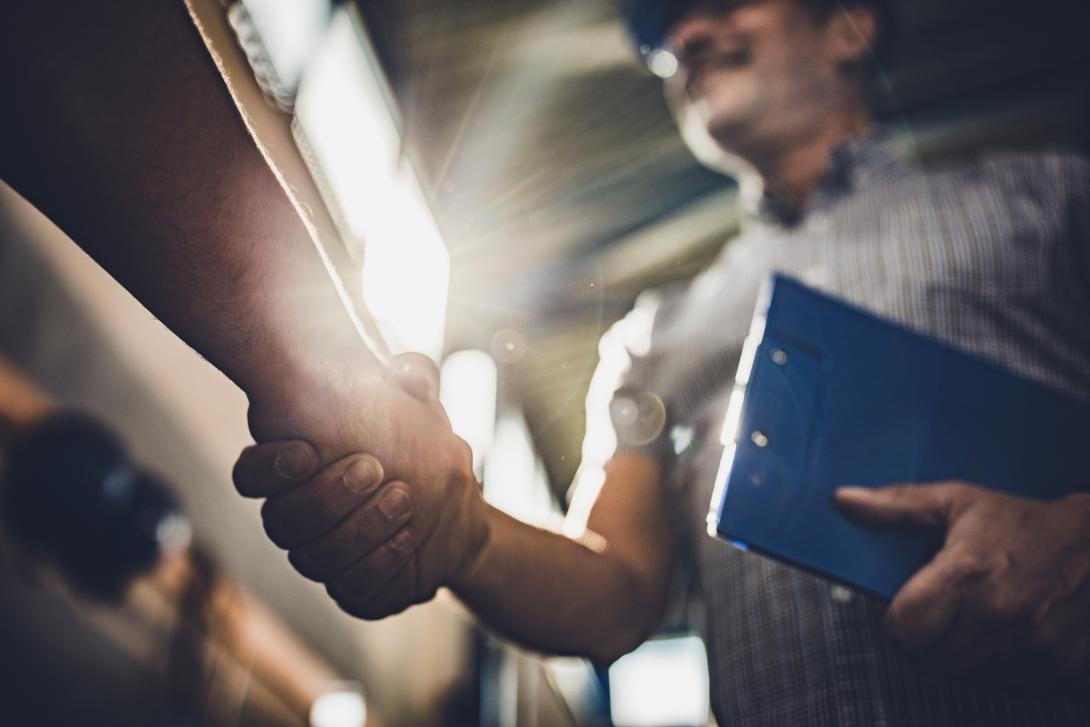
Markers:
696,66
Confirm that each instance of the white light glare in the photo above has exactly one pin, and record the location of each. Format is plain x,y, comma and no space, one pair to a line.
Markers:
346,111
343,706
467,390
174,533
662,63
665,681
514,478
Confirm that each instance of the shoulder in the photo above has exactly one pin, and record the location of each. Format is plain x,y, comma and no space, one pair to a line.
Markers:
1053,173
660,317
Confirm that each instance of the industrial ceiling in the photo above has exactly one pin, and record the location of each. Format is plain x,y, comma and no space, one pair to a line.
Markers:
562,188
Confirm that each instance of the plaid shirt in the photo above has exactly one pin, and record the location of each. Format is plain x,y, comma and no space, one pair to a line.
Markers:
991,256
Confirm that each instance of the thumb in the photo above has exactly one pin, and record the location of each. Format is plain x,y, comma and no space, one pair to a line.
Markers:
418,375
930,505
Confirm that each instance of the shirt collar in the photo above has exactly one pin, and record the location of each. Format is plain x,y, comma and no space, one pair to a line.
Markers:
855,163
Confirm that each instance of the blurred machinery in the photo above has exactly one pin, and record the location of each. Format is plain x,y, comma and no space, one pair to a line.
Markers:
91,533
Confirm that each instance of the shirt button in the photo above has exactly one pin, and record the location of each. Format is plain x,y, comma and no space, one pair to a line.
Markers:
841,595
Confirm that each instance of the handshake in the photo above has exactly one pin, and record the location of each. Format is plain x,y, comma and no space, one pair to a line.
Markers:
385,529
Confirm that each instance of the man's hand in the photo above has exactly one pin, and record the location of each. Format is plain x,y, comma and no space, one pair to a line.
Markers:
1008,595
380,545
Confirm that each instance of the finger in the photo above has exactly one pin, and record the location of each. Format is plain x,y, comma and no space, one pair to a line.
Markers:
365,529
418,375
926,605
396,596
970,644
930,505
300,515
1060,633
263,470
372,575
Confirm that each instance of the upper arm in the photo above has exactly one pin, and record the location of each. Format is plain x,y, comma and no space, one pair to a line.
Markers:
617,500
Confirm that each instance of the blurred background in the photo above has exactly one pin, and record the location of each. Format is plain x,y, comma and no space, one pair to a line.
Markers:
495,183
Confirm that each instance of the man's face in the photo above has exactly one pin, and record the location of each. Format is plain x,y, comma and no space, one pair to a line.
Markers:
753,73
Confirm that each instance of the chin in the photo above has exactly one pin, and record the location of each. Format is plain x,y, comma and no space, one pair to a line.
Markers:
709,151
728,117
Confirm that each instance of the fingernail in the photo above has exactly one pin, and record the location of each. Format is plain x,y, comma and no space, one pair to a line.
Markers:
362,476
394,503
402,540
293,462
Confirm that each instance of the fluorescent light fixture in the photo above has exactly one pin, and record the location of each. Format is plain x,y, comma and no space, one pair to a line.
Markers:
346,111
467,390
664,682
289,31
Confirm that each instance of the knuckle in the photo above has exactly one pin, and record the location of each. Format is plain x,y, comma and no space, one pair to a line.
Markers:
896,621
350,586
277,537
340,590
274,528
465,450
325,512
903,621
957,488
306,566
957,495
967,565
354,585
240,475
362,531
371,611
1007,606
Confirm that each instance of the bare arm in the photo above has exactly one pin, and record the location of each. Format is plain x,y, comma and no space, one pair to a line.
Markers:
122,131
598,597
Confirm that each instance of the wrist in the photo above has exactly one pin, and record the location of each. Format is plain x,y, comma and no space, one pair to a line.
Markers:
294,397
482,539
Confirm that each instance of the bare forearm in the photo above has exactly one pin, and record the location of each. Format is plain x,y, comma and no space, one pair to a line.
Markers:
557,595
123,133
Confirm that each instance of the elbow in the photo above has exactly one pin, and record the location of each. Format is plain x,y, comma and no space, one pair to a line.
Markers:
627,627
612,649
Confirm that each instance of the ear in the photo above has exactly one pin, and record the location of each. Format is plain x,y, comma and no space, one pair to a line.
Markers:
851,34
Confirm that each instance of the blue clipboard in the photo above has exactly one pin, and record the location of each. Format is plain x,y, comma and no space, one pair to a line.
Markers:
829,395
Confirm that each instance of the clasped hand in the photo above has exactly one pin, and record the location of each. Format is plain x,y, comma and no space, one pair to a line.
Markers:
1007,597
379,543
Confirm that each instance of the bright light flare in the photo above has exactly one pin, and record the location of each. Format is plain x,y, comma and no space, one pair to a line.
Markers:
663,63
665,681
342,706
467,390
